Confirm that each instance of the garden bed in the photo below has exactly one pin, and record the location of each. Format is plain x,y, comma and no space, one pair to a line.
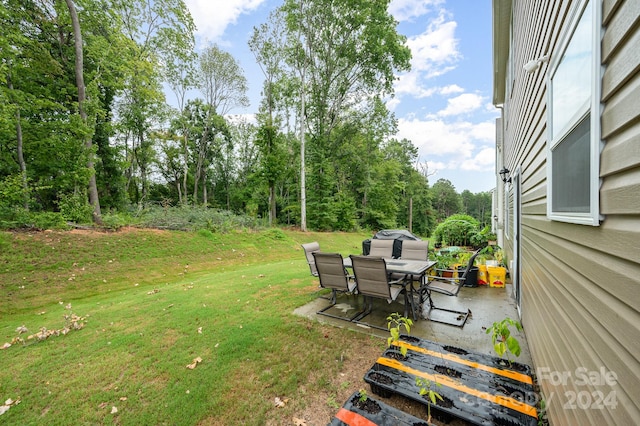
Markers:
372,412
480,389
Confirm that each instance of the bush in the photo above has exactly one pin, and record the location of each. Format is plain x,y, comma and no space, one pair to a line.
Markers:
75,207
115,221
47,220
457,229
482,238
189,218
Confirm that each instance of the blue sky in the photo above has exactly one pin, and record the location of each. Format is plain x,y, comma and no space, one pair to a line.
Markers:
443,104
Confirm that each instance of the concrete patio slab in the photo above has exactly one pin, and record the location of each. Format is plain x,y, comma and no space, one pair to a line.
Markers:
487,306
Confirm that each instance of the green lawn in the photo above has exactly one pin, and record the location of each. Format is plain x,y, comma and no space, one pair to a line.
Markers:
152,302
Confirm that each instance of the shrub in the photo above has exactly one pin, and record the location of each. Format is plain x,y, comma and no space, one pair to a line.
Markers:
75,207
115,221
457,229
48,220
482,238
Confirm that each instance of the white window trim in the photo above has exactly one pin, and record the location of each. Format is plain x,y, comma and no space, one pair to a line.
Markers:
595,109
507,211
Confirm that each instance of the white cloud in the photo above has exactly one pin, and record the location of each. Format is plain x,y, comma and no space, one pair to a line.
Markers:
482,161
462,104
435,47
213,17
438,138
404,10
451,89
434,53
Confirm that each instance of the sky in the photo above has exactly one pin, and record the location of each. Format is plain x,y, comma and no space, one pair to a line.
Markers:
443,105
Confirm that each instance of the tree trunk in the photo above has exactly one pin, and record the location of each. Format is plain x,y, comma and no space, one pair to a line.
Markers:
186,166
77,38
23,165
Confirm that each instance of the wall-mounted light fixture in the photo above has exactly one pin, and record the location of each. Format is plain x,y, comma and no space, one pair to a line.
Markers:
534,64
504,175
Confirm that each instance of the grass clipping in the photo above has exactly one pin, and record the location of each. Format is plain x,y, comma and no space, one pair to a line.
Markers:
71,322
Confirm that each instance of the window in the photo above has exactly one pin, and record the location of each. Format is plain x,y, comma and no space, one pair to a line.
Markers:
574,121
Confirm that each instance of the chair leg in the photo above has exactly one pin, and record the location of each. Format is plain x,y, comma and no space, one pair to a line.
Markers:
333,300
443,315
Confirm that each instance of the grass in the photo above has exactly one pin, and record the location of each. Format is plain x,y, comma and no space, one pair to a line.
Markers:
153,302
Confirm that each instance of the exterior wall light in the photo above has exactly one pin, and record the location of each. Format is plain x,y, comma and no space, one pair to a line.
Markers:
504,175
534,64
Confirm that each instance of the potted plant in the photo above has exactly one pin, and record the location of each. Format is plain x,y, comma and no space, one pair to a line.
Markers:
445,262
497,273
503,341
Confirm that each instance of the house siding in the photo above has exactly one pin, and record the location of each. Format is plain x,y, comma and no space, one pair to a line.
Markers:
580,285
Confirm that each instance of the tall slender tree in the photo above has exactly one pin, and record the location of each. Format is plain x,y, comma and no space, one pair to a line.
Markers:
79,70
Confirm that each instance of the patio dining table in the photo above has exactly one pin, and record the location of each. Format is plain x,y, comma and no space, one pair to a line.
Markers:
415,268
402,266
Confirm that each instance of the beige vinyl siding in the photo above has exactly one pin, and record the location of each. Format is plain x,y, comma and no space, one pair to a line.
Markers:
580,284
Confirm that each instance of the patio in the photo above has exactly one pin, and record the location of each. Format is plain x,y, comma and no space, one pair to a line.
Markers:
487,306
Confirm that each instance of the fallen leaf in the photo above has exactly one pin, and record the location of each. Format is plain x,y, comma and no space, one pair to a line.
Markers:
114,410
195,362
199,330
6,346
280,402
7,405
299,422
123,398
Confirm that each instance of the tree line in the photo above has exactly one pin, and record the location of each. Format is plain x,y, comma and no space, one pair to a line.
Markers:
85,127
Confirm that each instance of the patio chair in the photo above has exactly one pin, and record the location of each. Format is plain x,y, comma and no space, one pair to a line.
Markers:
374,282
334,276
381,248
309,249
450,287
414,250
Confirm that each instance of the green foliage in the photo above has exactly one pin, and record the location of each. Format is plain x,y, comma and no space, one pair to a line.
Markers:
503,341
425,390
395,322
456,230
11,193
363,395
274,234
74,207
446,201
193,218
481,238
115,221
46,220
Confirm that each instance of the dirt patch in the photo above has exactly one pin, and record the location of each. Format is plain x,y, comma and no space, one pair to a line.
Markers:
320,408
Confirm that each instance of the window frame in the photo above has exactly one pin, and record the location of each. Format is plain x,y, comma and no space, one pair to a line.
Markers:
593,109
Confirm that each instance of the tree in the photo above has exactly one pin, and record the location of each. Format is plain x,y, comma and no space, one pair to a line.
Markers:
346,52
224,87
265,43
446,200
160,34
79,71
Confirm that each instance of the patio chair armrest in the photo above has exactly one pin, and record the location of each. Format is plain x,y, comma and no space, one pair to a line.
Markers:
400,281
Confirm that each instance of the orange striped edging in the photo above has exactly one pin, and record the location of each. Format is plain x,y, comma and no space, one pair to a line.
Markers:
505,401
353,419
454,358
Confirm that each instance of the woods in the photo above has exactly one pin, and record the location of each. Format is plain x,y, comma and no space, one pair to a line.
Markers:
86,127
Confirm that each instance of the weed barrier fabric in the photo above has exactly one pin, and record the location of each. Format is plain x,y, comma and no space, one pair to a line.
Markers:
351,414
477,388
